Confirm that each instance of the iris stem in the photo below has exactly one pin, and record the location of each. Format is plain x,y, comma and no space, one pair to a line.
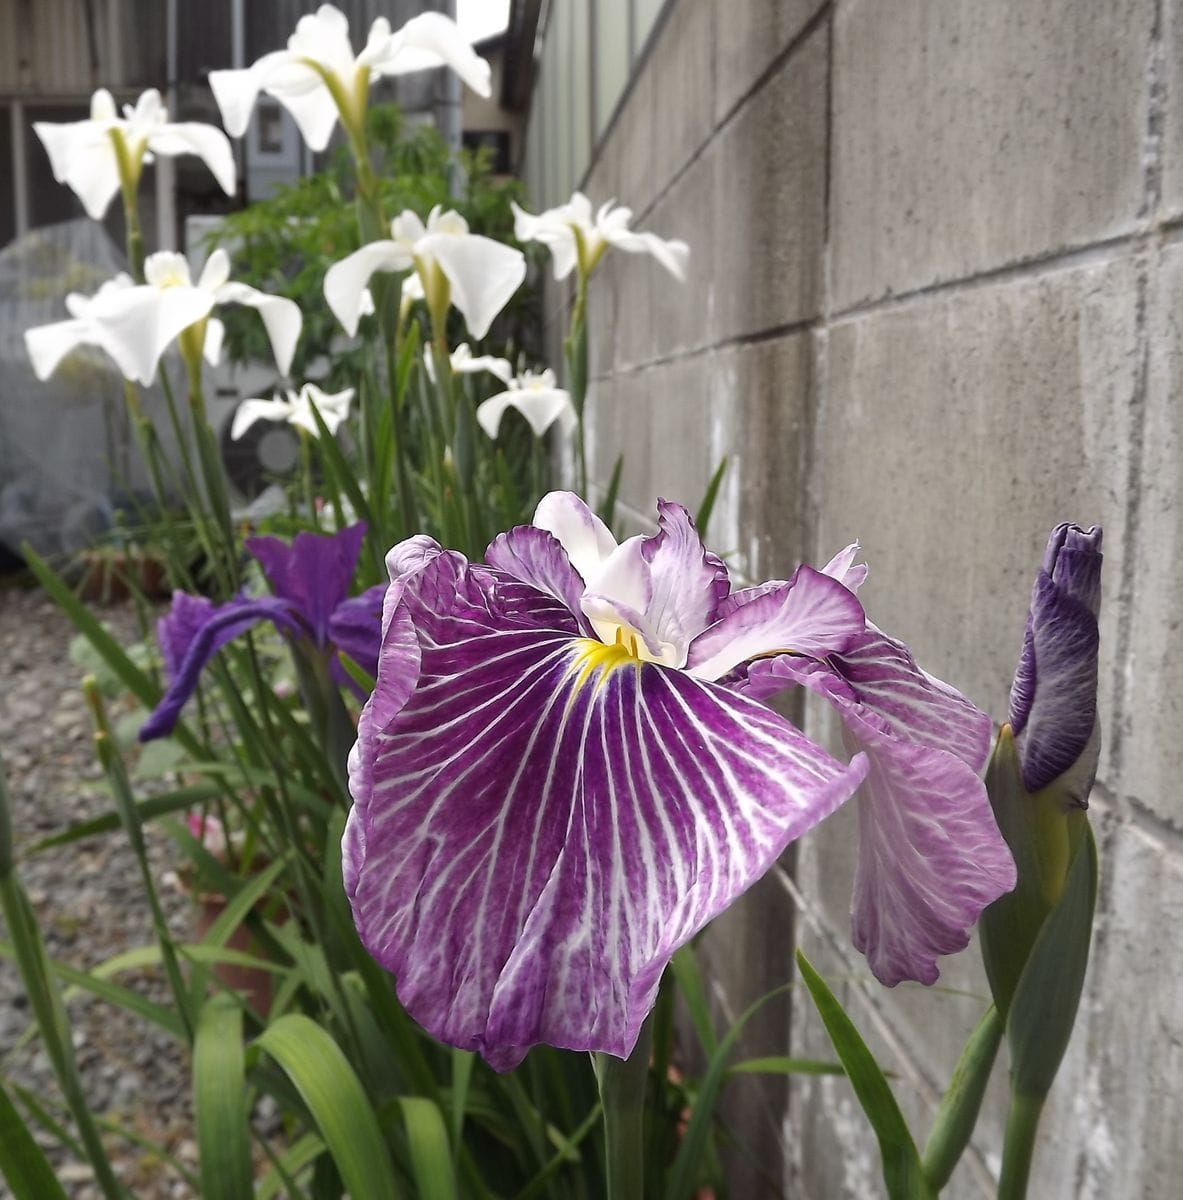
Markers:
622,1096
1018,1147
576,353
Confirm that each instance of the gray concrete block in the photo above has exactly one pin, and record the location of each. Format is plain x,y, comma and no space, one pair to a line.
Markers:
954,432
681,90
1171,150
1151,754
748,38
662,317
770,185
967,136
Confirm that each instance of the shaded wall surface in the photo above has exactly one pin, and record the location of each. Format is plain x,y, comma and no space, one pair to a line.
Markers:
935,303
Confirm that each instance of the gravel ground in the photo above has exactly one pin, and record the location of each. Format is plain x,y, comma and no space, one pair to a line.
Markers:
89,905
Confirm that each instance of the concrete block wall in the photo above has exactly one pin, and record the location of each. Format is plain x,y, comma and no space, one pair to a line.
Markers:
935,303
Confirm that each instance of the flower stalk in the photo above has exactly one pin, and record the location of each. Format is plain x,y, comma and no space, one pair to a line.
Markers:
622,1083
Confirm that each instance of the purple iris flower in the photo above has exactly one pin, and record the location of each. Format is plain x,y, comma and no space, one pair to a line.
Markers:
1053,701
310,578
558,779
931,857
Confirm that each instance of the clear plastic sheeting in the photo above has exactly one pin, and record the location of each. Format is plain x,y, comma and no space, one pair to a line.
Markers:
68,456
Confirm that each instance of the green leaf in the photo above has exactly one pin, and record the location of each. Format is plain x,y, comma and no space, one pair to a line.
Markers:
902,1171
958,1112
687,1164
685,968
1043,1009
431,1153
608,507
703,517
334,1096
219,1102
22,1161
779,1065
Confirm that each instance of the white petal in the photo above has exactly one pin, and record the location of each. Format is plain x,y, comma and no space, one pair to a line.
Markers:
483,274
673,254
409,228
323,37
237,91
139,323
345,281
281,318
314,111
552,231
215,335
166,269
211,145
433,40
83,158
216,271
250,411
49,344
332,406
541,409
586,539
102,106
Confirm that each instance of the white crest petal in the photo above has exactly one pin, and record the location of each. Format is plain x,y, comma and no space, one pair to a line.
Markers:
250,411
585,538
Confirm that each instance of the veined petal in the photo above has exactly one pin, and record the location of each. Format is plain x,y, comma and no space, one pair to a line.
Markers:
930,854
536,557
209,144
224,623
538,836
250,411
586,539
842,568
812,614
1054,695
541,407
688,581
433,40
346,281
281,318
312,573
175,631
483,274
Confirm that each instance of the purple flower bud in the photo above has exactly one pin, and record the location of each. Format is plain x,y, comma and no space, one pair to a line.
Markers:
1053,701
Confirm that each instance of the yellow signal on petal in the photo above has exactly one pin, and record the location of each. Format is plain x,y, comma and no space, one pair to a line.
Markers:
600,659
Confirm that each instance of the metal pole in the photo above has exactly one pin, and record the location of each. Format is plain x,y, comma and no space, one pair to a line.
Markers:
450,111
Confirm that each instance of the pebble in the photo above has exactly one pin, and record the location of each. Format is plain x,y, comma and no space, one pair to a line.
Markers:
88,903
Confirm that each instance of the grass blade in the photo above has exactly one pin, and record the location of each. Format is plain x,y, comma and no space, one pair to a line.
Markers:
219,1102
334,1096
22,1162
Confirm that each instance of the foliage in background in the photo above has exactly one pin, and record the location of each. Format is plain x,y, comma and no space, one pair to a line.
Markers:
284,244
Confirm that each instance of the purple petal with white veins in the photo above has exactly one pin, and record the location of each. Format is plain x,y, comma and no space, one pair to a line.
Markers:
535,556
224,623
313,572
688,581
930,854
539,831
812,614
1054,695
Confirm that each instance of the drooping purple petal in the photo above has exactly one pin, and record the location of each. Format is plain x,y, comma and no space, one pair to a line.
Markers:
313,572
224,623
535,556
178,627
1053,703
811,614
930,854
543,822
